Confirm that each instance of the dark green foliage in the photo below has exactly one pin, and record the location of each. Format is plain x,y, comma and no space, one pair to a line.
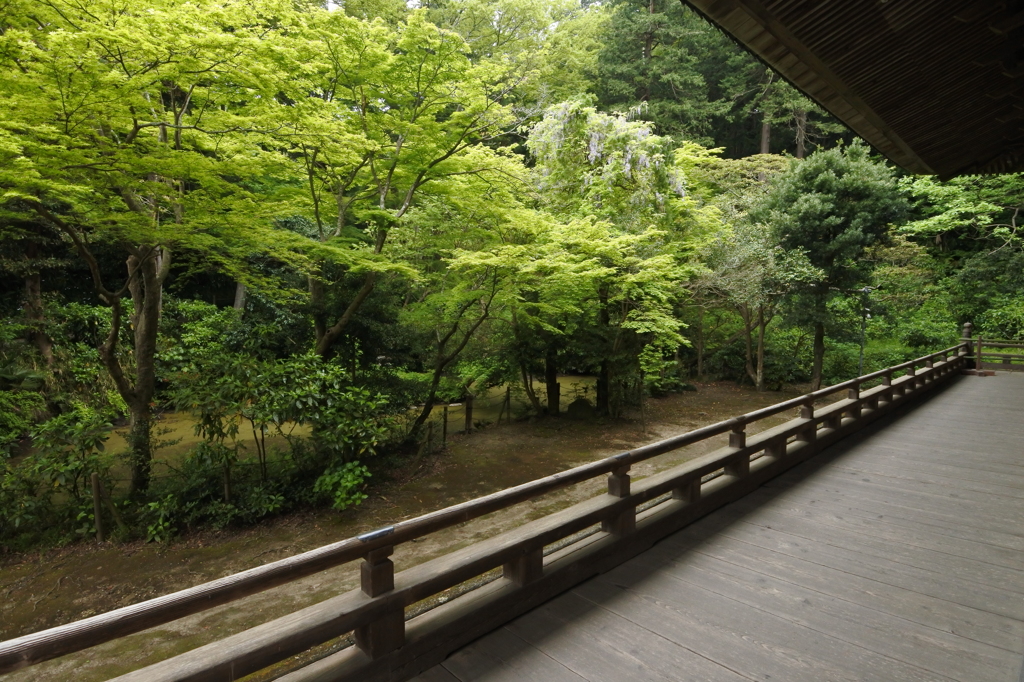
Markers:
694,82
17,414
834,205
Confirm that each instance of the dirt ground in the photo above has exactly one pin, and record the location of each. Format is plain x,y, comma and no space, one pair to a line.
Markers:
44,589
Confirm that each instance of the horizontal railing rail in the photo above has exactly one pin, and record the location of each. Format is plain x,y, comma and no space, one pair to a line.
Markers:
999,359
375,613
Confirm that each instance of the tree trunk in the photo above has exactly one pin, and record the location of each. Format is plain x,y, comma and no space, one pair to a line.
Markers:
140,445
34,312
766,136
819,355
603,389
146,287
801,132
644,95
325,340
699,341
442,360
239,296
748,343
428,407
761,324
528,387
551,379
603,397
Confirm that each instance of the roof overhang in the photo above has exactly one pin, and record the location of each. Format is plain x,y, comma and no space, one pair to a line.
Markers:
936,87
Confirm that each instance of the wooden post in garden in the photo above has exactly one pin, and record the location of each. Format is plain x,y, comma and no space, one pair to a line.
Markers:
468,406
96,508
227,484
444,428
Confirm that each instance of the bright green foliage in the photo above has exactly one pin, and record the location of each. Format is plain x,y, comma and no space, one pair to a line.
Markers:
343,485
382,117
131,130
978,207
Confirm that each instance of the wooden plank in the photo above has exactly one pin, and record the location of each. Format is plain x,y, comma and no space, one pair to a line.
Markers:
436,674
893,637
911,505
955,457
749,641
932,583
945,474
932,502
905,516
507,657
943,492
940,615
829,514
907,506
601,645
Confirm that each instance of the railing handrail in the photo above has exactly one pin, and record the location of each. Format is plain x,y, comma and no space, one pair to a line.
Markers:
63,639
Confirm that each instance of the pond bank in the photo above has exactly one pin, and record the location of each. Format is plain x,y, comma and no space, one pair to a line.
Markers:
49,588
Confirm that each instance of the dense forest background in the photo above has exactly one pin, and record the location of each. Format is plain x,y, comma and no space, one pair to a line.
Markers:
308,226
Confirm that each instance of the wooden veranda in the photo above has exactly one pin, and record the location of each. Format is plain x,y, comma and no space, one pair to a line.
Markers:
895,555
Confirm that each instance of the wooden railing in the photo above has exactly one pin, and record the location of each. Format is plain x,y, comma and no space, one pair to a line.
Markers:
996,354
536,560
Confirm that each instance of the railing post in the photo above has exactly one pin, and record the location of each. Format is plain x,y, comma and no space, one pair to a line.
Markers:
776,449
525,569
887,382
387,633
623,523
740,466
968,346
809,434
909,386
689,492
854,394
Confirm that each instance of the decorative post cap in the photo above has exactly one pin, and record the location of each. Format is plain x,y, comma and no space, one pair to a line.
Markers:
968,328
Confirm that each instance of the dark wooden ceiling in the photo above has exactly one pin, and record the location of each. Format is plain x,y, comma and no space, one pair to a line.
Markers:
935,85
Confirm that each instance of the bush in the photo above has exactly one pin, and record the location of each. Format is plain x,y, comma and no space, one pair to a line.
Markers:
17,415
343,485
1005,321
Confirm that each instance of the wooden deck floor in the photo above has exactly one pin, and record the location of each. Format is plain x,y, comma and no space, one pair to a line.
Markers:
897,555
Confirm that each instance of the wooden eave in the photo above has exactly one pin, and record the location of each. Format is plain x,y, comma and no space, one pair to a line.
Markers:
933,86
